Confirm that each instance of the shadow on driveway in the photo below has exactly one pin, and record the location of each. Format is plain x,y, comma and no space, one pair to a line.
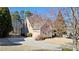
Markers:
8,42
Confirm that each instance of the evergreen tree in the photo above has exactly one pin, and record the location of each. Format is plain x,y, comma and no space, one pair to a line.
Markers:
5,22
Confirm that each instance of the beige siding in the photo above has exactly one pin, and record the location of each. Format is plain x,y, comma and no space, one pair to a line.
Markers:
35,33
30,29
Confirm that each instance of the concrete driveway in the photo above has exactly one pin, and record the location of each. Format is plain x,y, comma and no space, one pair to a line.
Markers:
43,45
7,42
33,42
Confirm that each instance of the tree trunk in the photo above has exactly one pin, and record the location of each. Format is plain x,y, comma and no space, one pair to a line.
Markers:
75,27
75,41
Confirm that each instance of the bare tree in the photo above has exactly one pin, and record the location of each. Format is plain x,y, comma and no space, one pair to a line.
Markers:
75,28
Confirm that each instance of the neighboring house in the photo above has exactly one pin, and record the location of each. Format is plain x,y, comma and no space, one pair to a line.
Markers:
69,29
38,26
19,26
16,26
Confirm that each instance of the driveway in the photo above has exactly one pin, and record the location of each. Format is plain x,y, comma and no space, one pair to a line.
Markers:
39,44
7,42
43,45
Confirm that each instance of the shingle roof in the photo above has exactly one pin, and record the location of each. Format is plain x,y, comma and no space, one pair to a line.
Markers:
36,21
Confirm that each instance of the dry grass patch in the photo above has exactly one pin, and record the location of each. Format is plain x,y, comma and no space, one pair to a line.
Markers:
59,41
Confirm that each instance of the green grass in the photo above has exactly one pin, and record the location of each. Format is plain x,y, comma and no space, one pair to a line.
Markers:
66,49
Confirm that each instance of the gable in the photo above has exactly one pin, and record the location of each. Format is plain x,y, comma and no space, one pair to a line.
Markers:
36,21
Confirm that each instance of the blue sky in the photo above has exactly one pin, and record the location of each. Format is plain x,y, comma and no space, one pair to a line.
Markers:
32,9
39,10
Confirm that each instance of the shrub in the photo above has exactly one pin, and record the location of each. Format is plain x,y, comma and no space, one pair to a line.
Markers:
29,34
64,32
54,35
41,37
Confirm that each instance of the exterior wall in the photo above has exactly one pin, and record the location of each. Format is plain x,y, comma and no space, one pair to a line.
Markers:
69,30
30,29
16,26
35,33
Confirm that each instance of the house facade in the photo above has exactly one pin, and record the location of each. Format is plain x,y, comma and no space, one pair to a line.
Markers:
38,26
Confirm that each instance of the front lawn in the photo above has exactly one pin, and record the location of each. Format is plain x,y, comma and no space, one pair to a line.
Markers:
66,49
